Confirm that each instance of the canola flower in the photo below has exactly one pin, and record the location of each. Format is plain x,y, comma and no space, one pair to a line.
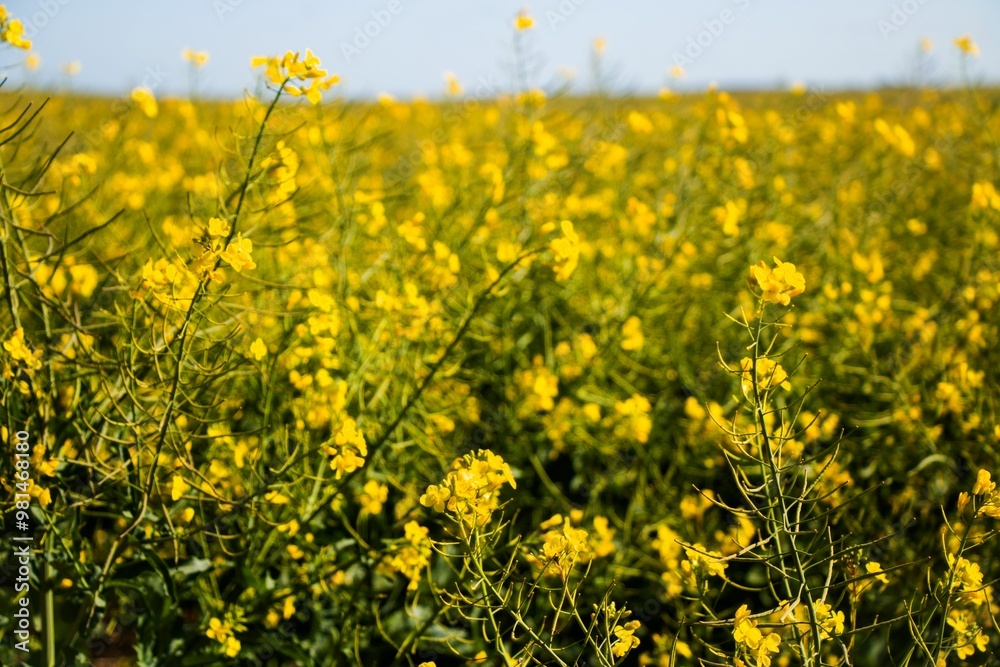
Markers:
298,75
223,633
12,30
625,639
984,491
349,448
198,59
966,45
566,251
470,490
238,254
778,284
769,375
19,351
144,100
524,21
409,556
752,644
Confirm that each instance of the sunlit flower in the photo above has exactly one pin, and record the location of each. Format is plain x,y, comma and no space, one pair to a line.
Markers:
198,59
523,21
777,285
143,98
237,254
966,45
12,30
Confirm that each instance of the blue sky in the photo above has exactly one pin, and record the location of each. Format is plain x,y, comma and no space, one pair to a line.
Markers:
404,47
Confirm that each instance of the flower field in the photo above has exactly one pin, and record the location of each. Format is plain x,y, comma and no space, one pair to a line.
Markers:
700,379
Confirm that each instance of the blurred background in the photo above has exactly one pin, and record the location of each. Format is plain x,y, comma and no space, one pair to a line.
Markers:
405,47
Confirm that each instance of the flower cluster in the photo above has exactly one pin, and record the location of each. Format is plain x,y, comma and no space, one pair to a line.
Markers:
12,30
168,282
565,251
625,639
409,556
779,284
770,374
989,498
349,448
222,632
470,490
700,564
292,67
19,352
751,643
143,98
830,622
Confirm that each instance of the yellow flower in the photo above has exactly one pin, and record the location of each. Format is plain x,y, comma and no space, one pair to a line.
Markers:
770,374
276,498
453,85
750,638
730,215
258,349
218,227
625,639
566,251
983,484
178,488
469,490
830,622
967,46
232,647
372,496
632,338
745,630
19,351
350,450
143,98
218,630
292,67
778,285
12,31
196,58
984,195
875,568
237,254
523,22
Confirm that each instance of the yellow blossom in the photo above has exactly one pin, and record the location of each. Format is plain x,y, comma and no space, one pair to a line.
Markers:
523,22
777,285
143,98
258,349
566,251
218,227
625,639
237,254
632,338
966,45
